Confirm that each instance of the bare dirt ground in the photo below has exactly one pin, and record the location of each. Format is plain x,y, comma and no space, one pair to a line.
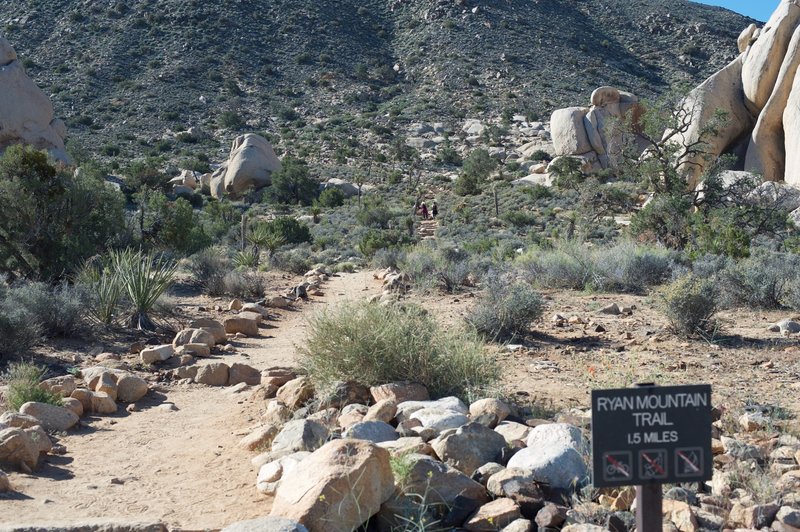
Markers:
179,467
184,467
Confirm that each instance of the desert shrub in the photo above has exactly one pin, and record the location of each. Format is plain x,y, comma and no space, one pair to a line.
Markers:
763,280
568,265
297,260
375,344
376,240
145,174
208,268
445,268
244,284
627,267
541,155
58,310
331,197
20,329
664,221
477,167
52,220
291,230
171,225
689,304
505,311
292,184
23,381
388,258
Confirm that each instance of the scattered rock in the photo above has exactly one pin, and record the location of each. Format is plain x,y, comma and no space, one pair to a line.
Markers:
551,516
214,374
752,516
5,485
400,392
489,412
259,439
160,353
17,420
519,485
73,405
300,435
63,385
512,431
102,403
374,431
242,373
493,516
612,310
194,336
469,447
53,418
680,514
213,326
383,410
241,325
296,392
338,487
131,388
18,450
266,524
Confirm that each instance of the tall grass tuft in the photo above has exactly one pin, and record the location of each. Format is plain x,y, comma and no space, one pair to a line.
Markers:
144,278
23,381
375,344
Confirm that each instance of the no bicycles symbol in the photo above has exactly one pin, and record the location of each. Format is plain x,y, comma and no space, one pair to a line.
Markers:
651,435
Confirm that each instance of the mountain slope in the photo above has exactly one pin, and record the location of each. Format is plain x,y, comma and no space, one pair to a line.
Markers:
124,73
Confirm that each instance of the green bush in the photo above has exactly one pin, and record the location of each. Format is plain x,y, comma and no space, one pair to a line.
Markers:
172,225
505,311
765,280
208,268
290,229
689,304
444,268
244,284
628,267
58,310
331,197
52,220
569,265
20,329
375,344
145,174
23,386
376,240
540,155
292,184
476,169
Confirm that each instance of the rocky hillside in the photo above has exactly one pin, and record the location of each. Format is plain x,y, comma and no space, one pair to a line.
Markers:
122,74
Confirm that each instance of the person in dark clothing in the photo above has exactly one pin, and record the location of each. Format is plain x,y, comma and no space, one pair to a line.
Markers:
434,210
424,211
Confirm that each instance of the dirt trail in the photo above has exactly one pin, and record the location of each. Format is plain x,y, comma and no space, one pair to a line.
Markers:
180,467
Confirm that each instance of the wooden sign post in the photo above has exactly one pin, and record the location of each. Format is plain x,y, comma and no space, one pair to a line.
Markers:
649,436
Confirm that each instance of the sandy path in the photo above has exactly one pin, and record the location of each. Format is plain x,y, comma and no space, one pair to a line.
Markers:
180,467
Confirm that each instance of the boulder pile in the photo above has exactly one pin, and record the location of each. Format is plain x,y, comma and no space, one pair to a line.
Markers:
594,134
251,163
391,455
26,114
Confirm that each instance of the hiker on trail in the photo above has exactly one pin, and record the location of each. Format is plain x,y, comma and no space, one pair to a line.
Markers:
434,210
424,211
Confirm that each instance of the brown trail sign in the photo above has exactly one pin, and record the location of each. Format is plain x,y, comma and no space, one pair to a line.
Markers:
648,436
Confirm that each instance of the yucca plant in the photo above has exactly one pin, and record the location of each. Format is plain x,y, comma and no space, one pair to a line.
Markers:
262,237
144,279
106,290
247,258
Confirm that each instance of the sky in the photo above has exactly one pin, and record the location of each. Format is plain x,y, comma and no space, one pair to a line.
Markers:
758,9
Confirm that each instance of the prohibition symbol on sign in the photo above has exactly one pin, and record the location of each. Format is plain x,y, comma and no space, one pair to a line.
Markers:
617,466
688,461
653,464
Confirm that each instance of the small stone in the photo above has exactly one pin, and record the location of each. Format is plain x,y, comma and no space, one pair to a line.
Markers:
373,431
160,353
612,310
384,410
491,411
296,392
235,304
551,516
400,392
260,439
168,407
102,403
242,373
214,374
52,418
131,388
752,421
73,405
493,516
5,485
